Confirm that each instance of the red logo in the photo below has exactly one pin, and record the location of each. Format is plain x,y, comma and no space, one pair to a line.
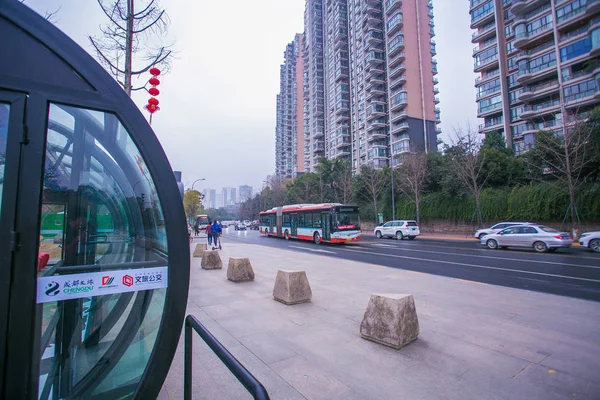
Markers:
128,280
107,280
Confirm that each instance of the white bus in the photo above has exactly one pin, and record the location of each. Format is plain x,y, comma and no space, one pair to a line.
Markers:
328,222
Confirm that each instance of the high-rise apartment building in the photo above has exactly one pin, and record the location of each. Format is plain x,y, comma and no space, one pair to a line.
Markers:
233,196
538,64
225,197
313,85
369,81
289,154
245,193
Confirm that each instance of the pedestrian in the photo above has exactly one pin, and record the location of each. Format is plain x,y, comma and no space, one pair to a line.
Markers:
196,228
209,234
216,232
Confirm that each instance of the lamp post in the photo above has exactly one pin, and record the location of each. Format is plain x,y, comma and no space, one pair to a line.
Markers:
196,181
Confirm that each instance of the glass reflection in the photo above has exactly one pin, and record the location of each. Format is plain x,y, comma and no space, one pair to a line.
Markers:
4,110
100,212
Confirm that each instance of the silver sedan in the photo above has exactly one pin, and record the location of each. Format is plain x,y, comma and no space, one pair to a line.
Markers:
539,237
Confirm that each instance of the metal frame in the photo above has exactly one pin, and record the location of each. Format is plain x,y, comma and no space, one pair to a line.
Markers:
252,385
104,94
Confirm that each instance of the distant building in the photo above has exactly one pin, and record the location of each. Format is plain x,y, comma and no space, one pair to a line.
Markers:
225,197
233,196
212,199
245,193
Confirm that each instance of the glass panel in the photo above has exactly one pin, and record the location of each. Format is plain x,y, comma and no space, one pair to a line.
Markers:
4,111
100,215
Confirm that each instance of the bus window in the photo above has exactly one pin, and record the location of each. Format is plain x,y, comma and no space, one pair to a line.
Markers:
347,220
286,220
308,221
301,220
317,220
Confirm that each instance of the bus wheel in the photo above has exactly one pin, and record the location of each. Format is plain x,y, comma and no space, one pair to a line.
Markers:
286,235
317,238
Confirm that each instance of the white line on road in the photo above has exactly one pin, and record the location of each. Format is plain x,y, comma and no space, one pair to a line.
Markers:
476,266
480,256
314,250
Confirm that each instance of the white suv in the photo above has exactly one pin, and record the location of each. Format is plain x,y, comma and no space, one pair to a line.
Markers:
496,228
398,229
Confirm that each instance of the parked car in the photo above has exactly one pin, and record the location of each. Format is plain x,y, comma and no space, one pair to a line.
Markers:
224,224
398,229
240,227
539,237
591,240
496,228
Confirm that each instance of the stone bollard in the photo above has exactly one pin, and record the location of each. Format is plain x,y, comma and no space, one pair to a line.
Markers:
200,249
211,260
239,270
391,320
291,287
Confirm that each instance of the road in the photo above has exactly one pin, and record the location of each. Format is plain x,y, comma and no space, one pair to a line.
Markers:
573,272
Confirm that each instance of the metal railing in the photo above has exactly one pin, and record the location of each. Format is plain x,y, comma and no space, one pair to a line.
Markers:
252,385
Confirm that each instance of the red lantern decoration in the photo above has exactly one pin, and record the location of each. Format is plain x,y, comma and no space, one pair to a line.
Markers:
153,102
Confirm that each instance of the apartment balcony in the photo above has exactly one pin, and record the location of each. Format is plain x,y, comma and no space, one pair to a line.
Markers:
399,101
489,110
375,70
375,124
527,75
374,37
397,81
341,42
396,59
342,142
318,133
483,20
491,126
392,5
394,24
371,6
374,58
396,45
436,100
520,7
583,98
486,63
592,7
376,80
397,70
533,110
398,116
341,73
341,117
399,128
484,33
526,39
371,19
376,110
479,49
539,90
436,90
376,135
377,90
318,147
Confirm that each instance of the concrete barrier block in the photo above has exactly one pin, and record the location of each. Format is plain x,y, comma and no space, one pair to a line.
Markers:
211,260
239,270
292,287
200,249
391,320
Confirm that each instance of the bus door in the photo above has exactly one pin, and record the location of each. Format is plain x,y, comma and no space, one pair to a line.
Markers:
326,224
279,221
294,224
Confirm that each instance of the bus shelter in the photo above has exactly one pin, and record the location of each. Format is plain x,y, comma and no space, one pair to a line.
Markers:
94,258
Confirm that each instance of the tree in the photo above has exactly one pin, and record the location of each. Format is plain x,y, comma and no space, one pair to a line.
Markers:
126,34
370,185
467,162
342,182
570,158
410,179
192,203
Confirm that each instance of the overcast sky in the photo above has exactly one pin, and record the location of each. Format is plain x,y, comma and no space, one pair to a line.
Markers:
217,117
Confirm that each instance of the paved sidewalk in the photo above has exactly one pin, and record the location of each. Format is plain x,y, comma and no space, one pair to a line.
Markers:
477,341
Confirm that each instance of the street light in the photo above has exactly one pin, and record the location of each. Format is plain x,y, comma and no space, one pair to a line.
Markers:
197,180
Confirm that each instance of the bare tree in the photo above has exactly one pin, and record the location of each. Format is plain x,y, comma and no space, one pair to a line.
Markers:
569,158
410,179
51,16
372,182
342,182
467,162
126,34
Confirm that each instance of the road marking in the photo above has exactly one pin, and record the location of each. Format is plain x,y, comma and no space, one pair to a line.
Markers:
490,257
477,266
313,250
468,281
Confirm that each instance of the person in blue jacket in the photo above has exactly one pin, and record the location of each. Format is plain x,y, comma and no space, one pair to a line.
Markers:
216,230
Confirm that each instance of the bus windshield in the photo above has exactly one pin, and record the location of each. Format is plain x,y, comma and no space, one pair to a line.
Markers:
202,220
346,220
